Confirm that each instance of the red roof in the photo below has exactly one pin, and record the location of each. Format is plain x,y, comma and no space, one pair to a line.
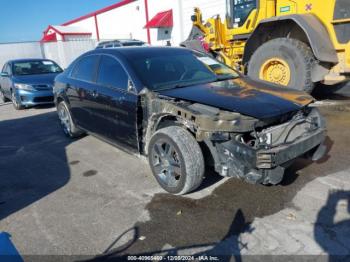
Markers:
63,31
162,19
49,38
103,10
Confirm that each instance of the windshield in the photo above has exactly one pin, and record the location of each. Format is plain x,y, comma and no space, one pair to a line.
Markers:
35,68
180,70
221,70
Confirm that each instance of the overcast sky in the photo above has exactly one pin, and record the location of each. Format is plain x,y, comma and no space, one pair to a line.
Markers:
25,20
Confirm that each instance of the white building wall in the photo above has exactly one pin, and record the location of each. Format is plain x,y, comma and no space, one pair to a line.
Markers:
128,21
88,24
77,37
124,22
59,37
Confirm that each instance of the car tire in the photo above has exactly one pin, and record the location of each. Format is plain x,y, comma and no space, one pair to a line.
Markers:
176,160
16,104
66,121
287,61
3,98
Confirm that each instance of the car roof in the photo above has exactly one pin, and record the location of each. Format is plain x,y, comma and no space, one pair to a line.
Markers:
135,51
130,41
23,60
121,41
108,42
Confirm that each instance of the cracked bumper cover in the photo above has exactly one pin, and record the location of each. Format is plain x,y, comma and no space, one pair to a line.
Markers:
267,165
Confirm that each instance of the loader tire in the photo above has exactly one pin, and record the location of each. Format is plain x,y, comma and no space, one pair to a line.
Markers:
284,61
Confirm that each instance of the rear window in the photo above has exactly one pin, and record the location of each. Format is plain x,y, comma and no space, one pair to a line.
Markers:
85,68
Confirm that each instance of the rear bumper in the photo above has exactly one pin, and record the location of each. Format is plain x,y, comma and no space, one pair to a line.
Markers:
267,165
32,98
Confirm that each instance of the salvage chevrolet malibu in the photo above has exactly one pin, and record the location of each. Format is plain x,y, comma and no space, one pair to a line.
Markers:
185,111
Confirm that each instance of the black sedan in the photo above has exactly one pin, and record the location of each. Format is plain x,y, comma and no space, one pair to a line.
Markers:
185,110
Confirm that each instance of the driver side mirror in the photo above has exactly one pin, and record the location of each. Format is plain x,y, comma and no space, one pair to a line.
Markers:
4,74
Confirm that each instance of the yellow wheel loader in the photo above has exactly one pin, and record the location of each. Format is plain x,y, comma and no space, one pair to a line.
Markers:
295,43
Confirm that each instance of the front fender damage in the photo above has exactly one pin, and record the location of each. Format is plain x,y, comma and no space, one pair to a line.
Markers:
205,122
257,151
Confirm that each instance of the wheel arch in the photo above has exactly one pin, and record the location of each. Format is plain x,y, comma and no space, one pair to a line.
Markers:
163,120
306,28
61,97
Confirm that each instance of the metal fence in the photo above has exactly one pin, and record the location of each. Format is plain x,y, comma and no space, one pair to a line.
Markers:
65,52
61,52
20,50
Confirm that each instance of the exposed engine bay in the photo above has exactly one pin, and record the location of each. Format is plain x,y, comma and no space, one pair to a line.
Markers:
255,150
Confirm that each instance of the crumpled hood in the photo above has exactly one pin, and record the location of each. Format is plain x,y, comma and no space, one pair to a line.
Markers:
47,79
257,99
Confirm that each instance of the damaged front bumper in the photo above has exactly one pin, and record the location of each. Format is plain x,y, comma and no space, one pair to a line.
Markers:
267,166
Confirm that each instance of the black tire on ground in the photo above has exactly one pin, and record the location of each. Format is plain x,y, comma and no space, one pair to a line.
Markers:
16,104
3,98
297,54
176,160
66,121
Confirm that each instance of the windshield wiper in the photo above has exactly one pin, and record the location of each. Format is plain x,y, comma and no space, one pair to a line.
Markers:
225,77
172,87
182,85
186,84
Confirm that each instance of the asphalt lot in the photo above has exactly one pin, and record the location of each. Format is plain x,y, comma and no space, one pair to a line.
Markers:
84,197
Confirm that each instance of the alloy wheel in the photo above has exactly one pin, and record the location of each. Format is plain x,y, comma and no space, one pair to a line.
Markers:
166,163
14,100
64,117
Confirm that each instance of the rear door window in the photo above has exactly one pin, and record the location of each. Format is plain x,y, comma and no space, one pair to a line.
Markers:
111,73
85,69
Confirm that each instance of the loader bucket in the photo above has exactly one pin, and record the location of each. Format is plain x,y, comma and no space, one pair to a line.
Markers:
195,41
